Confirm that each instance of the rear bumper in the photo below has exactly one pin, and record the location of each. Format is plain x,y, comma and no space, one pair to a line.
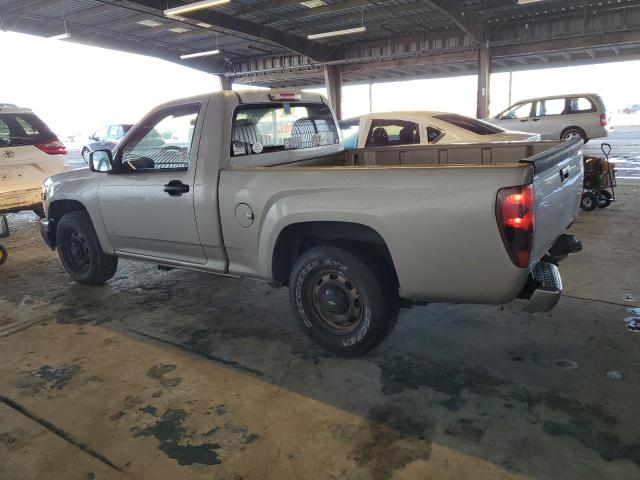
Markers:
543,288
47,231
20,200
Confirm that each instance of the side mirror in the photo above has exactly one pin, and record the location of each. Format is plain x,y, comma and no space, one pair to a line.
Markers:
101,161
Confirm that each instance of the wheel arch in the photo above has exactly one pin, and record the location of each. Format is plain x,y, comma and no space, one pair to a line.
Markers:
296,238
57,209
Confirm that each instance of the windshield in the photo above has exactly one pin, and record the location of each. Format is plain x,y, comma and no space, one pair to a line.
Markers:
471,124
19,129
275,127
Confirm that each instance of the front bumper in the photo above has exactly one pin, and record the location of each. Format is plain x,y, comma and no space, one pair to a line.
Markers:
48,232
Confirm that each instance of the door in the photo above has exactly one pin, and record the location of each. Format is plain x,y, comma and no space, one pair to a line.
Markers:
518,117
549,118
147,202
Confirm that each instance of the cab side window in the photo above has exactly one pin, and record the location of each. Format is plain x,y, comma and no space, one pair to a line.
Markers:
520,111
581,105
113,132
552,106
434,134
392,132
162,143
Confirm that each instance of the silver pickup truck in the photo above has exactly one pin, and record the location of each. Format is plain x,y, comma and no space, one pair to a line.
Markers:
257,184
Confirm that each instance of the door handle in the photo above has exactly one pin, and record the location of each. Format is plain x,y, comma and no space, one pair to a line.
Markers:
176,188
524,120
564,174
535,119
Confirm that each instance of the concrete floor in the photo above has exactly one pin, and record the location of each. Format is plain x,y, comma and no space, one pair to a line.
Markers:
181,375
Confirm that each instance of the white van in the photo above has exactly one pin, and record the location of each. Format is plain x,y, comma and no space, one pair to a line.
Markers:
29,153
559,117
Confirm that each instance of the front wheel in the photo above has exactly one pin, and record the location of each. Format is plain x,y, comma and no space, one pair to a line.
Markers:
344,303
80,251
85,155
588,202
3,255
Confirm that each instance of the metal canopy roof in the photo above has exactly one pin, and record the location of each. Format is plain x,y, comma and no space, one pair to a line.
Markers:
265,42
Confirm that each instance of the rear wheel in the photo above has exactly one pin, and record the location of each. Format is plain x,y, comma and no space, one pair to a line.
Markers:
589,202
604,199
80,251
85,155
346,303
3,254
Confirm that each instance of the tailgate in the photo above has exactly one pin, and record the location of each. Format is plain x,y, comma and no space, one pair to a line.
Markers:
557,186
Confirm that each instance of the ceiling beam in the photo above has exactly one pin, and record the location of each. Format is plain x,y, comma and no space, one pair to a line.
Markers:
315,50
465,19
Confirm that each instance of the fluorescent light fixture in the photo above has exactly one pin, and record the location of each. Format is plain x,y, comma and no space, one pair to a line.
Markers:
178,30
204,25
149,23
60,36
172,12
313,3
522,2
335,33
200,54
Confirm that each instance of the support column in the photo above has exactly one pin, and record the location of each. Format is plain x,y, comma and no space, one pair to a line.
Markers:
225,82
333,82
484,75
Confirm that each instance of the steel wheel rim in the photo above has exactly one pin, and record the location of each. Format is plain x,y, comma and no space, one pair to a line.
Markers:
336,301
85,155
571,135
79,253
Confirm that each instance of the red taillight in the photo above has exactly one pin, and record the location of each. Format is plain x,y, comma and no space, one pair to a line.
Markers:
603,119
53,147
516,218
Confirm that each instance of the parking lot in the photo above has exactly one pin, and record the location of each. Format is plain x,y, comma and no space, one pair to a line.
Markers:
184,375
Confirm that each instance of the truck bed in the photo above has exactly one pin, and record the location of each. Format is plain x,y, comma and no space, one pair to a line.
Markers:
433,205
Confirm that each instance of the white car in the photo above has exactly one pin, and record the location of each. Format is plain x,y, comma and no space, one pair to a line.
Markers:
580,115
422,128
29,153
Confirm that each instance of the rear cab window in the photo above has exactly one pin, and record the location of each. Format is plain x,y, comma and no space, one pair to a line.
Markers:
20,129
275,127
471,124
392,132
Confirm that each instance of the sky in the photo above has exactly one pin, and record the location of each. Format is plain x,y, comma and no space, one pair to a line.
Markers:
77,88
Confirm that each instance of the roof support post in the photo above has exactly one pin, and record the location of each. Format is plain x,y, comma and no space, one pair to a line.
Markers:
484,76
333,82
225,82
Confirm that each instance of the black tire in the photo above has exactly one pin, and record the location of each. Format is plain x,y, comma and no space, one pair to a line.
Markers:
39,211
604,199
346,303
80,251
572,132
589,202
85,155
3,254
